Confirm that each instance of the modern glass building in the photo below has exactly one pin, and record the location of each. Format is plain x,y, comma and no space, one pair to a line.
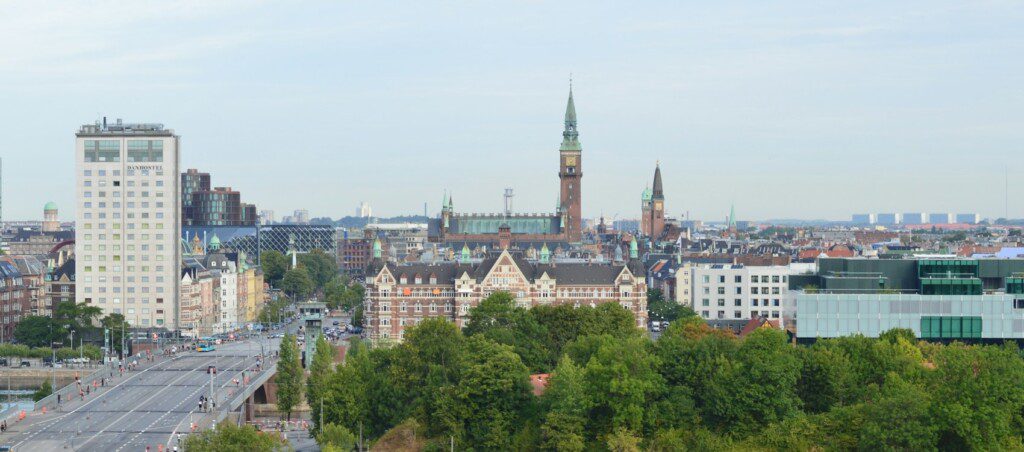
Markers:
937,298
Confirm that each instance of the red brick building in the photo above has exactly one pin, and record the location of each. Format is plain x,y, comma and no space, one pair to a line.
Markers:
400,296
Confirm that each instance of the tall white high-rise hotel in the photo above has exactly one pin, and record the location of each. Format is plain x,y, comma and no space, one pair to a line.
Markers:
127,223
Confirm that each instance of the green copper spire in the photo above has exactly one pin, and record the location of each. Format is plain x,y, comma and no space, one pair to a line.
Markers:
732,215
646,194
545,254
570,136
634,250
465,252
376,249
214,243
444,202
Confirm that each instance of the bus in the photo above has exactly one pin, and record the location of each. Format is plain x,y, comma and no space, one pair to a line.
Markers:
206,344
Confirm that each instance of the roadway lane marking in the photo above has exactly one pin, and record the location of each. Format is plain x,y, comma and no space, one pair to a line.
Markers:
90,402
189,398
111,424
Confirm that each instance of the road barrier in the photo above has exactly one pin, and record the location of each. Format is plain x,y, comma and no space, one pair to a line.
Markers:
72,389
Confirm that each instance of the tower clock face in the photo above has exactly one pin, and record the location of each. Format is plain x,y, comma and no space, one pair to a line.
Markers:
657,205
570,161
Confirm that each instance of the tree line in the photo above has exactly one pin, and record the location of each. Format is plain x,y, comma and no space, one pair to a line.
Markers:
610,387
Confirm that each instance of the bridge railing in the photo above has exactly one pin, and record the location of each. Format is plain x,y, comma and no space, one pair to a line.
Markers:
236,400
71,389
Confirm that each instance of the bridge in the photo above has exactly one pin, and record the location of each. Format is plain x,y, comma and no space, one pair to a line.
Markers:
154,405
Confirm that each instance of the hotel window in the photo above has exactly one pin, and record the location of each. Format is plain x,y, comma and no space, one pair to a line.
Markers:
102,151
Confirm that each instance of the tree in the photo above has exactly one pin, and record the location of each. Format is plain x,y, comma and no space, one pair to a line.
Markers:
320,370
230,437
332,435
35,331
898,419
658,308
75,316
567,403
44,390
498,319
756,387
320,265
494,389
297,283
118,329
623,381
289,376
274,265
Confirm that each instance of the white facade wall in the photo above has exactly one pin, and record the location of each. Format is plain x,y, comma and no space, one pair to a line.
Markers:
684,285
228,320
128,222
835,315
740,292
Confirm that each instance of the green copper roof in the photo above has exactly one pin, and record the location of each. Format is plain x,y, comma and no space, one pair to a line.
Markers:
50,206
646,195
376,248
570,136
634,250
214,242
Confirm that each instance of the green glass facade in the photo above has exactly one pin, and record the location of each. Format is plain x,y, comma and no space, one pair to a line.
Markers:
949,268
951,286
1015,285
951,327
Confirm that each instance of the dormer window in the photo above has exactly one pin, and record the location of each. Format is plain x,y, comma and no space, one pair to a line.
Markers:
433,279
402,280
419,280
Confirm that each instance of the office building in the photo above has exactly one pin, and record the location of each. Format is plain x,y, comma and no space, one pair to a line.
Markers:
937,298
267,217
128,216
968,218
863,218
888,219
940,218
914,218
192,181
364,210
725,291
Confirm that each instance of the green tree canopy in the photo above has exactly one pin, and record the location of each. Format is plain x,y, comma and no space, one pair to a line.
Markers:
322,267
289,376
36,331
317,383
228,437
297,283
274,265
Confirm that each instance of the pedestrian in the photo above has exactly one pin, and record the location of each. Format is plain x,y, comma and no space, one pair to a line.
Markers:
58,399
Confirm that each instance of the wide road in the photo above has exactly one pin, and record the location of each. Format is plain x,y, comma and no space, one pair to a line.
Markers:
147,407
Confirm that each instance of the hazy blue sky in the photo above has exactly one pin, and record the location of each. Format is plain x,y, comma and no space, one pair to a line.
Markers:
789,109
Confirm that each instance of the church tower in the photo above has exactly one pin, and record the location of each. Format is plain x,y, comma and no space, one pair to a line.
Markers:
652,221
570,172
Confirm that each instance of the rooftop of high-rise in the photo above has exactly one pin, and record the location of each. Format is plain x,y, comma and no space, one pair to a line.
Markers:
118,127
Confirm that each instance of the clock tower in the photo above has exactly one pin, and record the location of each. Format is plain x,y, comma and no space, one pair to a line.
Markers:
570,172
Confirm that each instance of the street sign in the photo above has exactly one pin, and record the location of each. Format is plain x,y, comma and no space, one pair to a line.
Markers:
211,370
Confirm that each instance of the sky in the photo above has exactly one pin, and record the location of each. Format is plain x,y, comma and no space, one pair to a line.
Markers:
813,109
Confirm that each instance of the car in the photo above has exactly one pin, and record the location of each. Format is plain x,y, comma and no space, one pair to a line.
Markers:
337,322
3,362
25,363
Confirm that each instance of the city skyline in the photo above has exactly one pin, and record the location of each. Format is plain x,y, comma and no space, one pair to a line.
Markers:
764,111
